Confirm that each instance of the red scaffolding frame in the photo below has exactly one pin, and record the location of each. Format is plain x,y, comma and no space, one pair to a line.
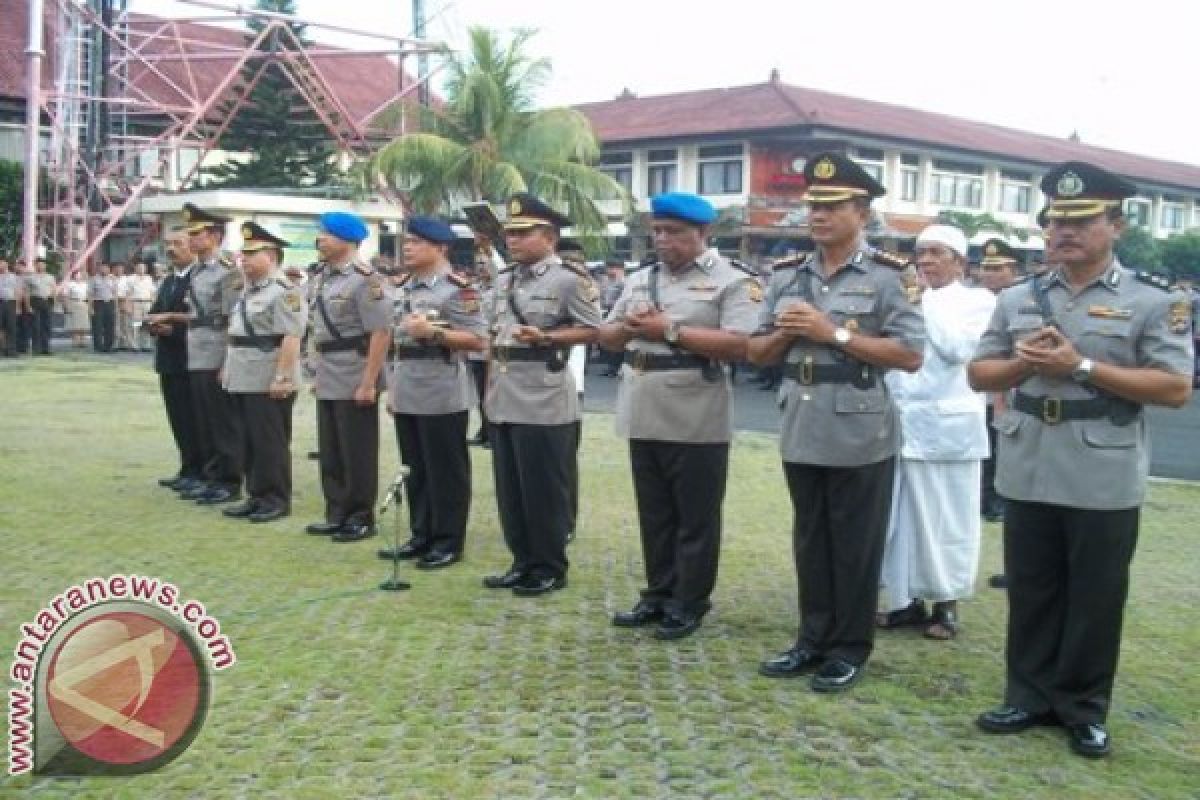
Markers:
89,187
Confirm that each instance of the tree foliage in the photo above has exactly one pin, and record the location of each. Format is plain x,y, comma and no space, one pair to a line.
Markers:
486,141
287,144
1137,249
12,195
1181,254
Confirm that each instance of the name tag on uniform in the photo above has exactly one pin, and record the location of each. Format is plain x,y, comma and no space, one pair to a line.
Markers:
703,287
1034,310
1107,312
544,296
858,291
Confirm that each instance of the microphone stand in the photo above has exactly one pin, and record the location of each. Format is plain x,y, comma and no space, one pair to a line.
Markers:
395,494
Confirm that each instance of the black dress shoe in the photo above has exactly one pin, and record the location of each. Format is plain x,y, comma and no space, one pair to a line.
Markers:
413,548
677,626
268,514
195,492
914,613
1089,740
354,532
218,495
533,585
170,483
242,510
506,581
836,675
187,484
643,614
790,663
1010,719
323,528
436,559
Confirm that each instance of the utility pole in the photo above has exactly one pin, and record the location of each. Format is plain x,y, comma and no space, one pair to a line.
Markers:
418,12
33,118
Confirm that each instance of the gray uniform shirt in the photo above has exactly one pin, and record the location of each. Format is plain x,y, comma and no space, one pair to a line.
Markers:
357,301
102,288
682,405
549,295
433,385
838,424
8,286
273,307
213,290
40,284
1087,463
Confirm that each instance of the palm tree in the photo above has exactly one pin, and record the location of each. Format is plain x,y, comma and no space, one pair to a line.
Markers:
486,141
971,224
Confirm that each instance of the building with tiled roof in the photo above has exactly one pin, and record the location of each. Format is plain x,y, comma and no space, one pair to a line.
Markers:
744,147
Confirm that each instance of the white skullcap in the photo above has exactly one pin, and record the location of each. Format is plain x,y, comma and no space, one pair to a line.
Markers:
948,236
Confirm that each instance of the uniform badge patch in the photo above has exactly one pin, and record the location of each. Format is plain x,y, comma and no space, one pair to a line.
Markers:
587,288
912,289
755,291
292,301
468,298
1180,317
375,289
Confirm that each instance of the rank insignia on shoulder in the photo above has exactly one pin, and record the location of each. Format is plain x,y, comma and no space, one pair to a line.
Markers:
226,261
1155,279
887,259
1179,318
746,268
791,261
458,279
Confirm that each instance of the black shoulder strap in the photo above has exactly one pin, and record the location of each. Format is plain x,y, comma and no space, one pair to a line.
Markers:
653,282
191,290
512,300
1041,289
329,326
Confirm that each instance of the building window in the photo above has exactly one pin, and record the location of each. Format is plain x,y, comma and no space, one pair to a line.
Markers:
720,169
1016,191
956,184
662,171
619,167
871,160
1137,212
910,177
1173,215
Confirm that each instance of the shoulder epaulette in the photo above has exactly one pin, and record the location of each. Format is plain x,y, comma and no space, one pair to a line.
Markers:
364,269
1155,279
887,259
285,283
225,261
459,280
791,261
507,268
576,268
401,279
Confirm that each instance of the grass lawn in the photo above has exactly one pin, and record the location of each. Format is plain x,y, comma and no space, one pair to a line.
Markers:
449,690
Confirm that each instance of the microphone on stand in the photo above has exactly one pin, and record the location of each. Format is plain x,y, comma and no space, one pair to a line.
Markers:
395,493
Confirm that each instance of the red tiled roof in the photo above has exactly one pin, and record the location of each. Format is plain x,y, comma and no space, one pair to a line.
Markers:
775,105
361,83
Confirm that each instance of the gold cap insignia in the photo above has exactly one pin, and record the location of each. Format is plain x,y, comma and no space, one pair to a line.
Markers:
1069,185
247,232
992,250
187,215
514,207
824,169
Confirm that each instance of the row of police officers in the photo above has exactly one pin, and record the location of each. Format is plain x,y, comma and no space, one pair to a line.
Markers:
1083,348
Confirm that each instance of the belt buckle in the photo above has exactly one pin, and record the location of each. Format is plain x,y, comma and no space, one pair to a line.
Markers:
640,361
1052,410
502,357
807,371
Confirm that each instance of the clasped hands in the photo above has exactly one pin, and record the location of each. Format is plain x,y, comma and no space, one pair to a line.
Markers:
1048,352
805,320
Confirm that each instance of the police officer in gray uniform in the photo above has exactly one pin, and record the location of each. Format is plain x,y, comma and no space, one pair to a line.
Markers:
262,371
214,288
102,300
1086,346
543,308
40,287
838,321
678,321
430,389
352,317
10,292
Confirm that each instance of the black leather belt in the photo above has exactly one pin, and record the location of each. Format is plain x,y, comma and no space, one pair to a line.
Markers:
416,351
807,373
358,343
554,358
214,321
261,342
651,362
1053,410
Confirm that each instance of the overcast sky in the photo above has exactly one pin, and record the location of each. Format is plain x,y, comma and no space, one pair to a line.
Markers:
1121,75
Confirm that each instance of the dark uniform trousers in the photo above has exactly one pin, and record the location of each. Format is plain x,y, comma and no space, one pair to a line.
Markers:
680,488
24,330
348,441
434,447
177,399
267,423
1068,576
838,538
41,326
104,325
573,474
218,430
479,375
989,501
532,471
8,326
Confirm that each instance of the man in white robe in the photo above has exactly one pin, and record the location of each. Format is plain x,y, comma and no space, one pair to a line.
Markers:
932,550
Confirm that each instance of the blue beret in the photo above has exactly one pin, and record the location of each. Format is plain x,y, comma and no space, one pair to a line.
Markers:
431,229
690,208
344,225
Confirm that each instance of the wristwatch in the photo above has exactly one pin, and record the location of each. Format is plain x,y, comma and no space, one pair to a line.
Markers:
671,333
1083,372
841,337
